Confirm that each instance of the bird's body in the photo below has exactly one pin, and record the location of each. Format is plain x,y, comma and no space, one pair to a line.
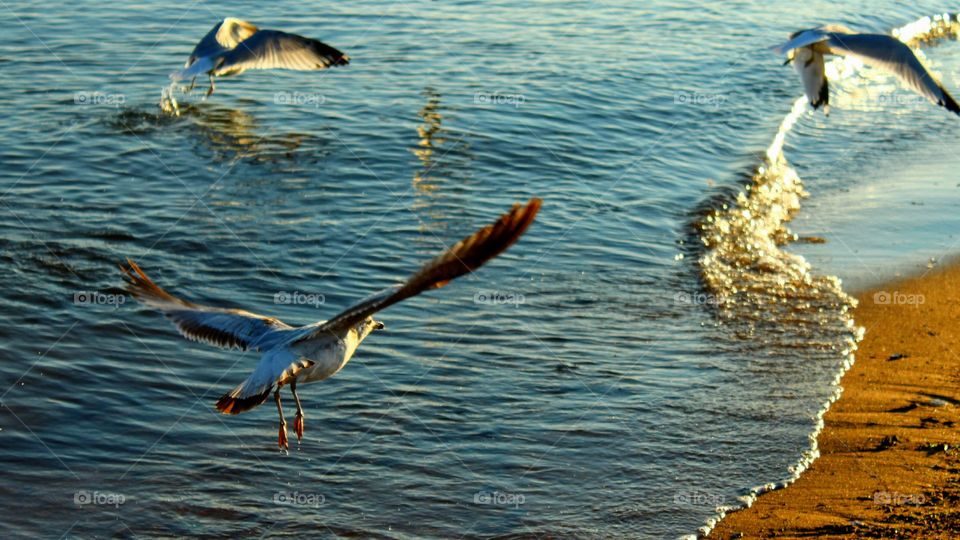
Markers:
234,46
878,50
311,353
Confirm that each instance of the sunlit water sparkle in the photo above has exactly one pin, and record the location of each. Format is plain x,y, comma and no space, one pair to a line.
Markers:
612,400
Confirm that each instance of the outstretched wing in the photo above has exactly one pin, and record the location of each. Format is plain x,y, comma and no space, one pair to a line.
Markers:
224,328
891,54
803,38
272,49
277,366
464,257
224,36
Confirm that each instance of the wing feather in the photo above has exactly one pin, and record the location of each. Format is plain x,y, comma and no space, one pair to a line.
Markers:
224,328
464,257
803,38
273,49
891,54
224,36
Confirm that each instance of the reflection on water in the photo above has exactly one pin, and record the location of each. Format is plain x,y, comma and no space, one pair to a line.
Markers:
445,166
229,134
432,137
237,134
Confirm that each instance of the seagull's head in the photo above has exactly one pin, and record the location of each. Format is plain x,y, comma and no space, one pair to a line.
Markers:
367,326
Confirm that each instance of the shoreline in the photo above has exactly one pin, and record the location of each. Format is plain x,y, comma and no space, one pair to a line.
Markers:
889,464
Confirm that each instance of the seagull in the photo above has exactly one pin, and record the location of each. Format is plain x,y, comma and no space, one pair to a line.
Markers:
311,353
234,46
877,50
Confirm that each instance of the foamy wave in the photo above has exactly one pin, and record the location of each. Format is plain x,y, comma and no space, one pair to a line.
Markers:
772,296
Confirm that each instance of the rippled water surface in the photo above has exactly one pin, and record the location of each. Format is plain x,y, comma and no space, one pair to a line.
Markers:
631,392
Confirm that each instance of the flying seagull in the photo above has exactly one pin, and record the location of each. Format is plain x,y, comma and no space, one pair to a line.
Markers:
234,46
306,354
877,50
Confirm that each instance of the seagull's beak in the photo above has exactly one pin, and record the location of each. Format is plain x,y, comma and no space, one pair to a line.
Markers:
379,326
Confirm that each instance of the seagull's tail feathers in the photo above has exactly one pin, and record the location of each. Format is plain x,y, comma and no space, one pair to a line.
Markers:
276,368
233,404
824,97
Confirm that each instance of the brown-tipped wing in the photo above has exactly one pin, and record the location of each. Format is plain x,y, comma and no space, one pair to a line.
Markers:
464,257
224,328
272,49
224,36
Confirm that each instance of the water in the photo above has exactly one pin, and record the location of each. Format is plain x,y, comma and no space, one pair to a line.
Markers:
613,402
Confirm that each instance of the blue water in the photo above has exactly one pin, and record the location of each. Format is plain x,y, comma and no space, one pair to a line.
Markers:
600,407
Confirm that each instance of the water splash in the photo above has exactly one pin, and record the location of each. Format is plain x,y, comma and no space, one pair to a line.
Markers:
168,102
769,298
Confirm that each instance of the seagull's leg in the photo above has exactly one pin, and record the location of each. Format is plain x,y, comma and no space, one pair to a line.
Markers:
210,90
193,82
283,424
298,421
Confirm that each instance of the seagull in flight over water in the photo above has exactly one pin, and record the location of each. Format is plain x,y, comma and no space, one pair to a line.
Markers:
234,46
306,354
807,47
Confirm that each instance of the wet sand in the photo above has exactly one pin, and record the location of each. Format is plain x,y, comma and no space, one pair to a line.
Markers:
889,464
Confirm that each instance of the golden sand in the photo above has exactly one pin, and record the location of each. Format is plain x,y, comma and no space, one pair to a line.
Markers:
889,464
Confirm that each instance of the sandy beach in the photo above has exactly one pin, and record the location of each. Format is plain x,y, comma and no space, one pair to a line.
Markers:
889,466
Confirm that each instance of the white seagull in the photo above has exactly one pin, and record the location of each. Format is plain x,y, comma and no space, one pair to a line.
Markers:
877,50
316,351
234,46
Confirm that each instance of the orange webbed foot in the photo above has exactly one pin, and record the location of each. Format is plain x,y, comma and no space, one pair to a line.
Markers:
298,427
282,442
